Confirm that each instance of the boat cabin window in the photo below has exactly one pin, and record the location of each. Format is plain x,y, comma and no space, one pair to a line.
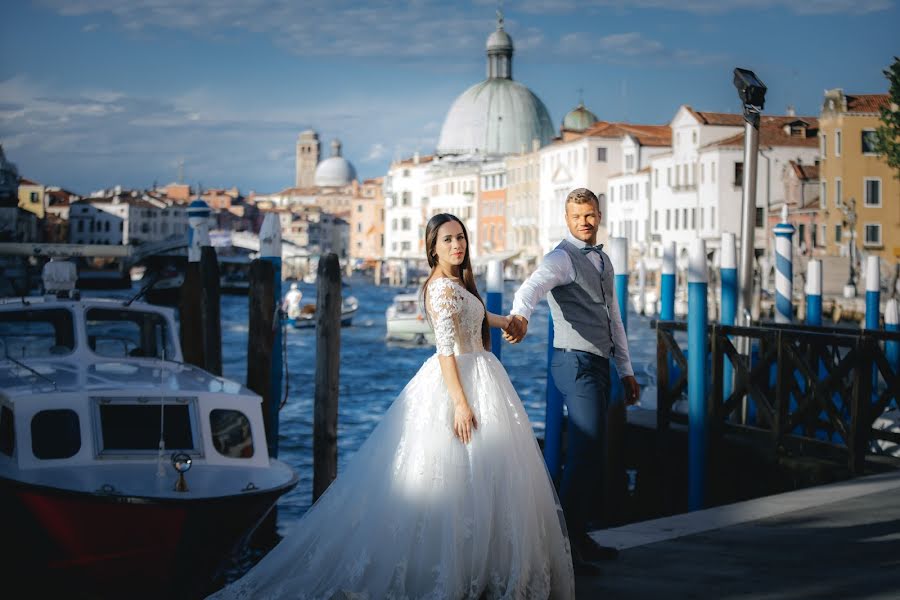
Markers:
36,333
133,425
7,431
407,307
55,434
128,333
231,433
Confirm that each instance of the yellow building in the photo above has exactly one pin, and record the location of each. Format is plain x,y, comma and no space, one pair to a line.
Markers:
31,197
852,175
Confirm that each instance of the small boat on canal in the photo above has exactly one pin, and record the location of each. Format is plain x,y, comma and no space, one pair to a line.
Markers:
306,319
124,472
406,321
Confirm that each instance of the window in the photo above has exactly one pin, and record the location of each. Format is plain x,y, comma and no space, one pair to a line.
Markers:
668,218
405,224
838,231
702,218
406,199
55,434
406,172
823,146
393,224
873,234
669,176
656,178
868,141
738,174
820,240
677,215
128,333
760,216
36,333
35,197
823,197
629,161
359,228
712,217
838,191
837,142
612,194
655,220
7,431
872,191
406,246
701,172
712,172
359,208
133,424
693,218
230,430
694,137
601,154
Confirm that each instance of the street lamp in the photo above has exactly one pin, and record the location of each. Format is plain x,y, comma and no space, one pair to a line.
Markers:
752,93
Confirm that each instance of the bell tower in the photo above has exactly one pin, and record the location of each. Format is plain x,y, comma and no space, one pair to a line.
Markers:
307,159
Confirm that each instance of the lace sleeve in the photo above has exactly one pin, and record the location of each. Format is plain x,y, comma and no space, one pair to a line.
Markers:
445,305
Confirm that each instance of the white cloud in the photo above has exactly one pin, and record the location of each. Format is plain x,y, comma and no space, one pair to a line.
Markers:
90,27
706,7
629,48
376,152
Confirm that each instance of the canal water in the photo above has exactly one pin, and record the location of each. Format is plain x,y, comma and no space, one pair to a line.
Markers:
373,372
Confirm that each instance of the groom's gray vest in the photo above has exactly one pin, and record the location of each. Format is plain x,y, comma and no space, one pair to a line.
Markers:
581,320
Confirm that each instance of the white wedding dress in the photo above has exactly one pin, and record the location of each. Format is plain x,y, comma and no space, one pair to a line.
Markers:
419,514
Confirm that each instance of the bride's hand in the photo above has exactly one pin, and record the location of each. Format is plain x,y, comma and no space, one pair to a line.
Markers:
464,422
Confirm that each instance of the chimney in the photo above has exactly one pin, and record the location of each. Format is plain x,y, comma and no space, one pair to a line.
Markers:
416,158
791,112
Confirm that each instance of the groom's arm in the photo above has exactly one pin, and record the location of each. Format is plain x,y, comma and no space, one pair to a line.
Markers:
556,269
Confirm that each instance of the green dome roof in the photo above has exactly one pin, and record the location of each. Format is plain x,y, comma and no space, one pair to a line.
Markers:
579,119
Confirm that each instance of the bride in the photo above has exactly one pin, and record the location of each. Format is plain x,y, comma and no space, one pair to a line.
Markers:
449,497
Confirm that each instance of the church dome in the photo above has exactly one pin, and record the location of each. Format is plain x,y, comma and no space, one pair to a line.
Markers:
579,119
335,171
498,115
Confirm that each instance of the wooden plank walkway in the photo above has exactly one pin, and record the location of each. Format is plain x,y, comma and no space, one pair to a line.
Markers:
834,541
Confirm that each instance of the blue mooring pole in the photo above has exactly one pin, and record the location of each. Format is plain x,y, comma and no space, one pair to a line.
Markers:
892,323
814,293
698,350
873,292
728,312
784,270
270,251
495,301
554,414
618,255
667,284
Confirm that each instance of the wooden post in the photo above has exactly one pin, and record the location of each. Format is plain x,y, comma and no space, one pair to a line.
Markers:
261,338
328,356
191,313
210,311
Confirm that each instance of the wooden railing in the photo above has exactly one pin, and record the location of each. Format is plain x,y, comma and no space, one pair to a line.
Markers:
815,391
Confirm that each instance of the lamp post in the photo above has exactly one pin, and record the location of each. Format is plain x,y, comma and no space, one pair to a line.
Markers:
752,93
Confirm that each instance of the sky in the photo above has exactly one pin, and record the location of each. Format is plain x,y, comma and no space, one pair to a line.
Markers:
98,93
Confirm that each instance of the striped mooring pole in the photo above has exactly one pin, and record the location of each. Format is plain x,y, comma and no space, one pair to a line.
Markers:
270,251
698,350
784,270
814,293
892,323
729,278
873,292
667,284
495,301
618,254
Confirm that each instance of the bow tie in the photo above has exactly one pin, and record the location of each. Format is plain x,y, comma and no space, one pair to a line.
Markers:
588,249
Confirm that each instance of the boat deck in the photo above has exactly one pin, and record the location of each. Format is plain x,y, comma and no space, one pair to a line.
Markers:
834,541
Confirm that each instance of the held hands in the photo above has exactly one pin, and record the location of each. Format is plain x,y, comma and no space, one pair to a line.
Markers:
516,330
464,422
632,390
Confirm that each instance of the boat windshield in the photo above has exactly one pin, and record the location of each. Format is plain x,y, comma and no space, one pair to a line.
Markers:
121,333
36,333
406,307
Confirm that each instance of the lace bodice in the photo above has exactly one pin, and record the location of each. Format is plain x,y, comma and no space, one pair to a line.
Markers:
456,317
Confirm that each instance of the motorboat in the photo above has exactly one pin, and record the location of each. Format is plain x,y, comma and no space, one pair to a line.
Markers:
306,319
406,321
124,472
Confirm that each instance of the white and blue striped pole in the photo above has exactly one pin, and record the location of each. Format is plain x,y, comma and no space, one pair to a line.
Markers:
892,323
729,277
814,293
698,345
667,284
784,270
873,292
495,300
270,251
618,255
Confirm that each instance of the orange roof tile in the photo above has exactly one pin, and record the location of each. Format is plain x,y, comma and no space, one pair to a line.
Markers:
646,135
867,103
804,171
770,135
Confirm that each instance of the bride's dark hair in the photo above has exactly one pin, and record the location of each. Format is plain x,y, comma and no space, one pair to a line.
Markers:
466,275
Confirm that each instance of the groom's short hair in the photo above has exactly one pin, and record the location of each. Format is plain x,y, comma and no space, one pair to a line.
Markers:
582,196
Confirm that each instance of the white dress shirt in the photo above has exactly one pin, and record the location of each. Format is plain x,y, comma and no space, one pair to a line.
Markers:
556,270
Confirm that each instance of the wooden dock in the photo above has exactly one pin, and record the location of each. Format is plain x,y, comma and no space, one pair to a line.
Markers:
835,541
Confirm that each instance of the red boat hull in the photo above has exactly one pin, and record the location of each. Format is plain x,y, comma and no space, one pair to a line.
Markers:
105,546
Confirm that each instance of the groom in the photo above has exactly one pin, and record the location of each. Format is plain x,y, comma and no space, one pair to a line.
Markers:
588,331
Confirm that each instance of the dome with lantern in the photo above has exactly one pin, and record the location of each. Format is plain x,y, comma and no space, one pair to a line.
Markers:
335,171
